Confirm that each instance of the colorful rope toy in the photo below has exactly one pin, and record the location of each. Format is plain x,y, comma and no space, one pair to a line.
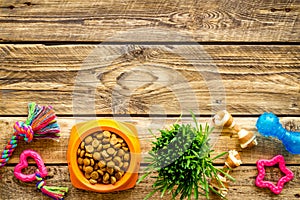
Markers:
56,193
267,184
268,125
41,123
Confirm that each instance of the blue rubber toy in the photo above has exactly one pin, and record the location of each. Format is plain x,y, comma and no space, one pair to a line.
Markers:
269,126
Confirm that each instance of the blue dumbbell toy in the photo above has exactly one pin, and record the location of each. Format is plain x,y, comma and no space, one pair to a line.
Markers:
269,126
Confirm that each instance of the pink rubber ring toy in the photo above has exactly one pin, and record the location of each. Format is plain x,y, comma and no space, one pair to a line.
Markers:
56,193
267,184
23,164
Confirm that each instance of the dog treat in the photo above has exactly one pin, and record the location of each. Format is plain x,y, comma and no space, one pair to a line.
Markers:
232,161
224,119
103,157
223,190
247,139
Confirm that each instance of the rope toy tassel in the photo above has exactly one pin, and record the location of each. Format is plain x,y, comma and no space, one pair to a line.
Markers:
53,192
41,123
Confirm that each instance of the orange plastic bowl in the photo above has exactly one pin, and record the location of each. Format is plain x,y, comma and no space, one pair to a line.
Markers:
126,131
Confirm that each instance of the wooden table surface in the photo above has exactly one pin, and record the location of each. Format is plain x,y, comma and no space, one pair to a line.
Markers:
147,62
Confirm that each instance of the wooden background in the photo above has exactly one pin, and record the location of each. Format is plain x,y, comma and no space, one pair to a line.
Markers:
249,63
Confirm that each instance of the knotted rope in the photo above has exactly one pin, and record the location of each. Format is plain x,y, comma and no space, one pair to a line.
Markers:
41,123
53,192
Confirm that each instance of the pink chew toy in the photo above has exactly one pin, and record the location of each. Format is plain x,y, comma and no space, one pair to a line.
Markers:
56,193
261,174
23,164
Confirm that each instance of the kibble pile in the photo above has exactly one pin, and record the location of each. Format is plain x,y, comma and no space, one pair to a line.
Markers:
103,157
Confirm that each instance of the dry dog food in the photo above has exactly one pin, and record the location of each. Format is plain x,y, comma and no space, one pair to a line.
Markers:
103,157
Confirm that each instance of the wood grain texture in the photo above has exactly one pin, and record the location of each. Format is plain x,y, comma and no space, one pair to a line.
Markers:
243,187
151,20
150,79
223,140
148,85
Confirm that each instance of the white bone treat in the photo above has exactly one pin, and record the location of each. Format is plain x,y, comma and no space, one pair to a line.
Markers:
223,118
233,160
218,187
247,139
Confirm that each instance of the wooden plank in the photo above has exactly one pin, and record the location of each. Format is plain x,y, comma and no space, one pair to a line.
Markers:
55,152
175,79
244,187
151,20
